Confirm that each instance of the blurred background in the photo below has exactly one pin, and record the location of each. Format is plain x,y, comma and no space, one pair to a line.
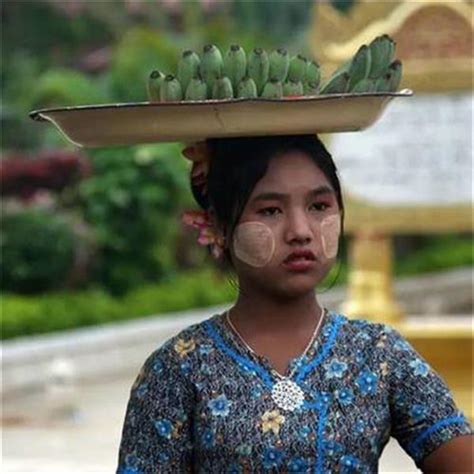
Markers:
94,260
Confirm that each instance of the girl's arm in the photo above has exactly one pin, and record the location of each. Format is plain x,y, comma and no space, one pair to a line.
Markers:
425,419
455,455
157,431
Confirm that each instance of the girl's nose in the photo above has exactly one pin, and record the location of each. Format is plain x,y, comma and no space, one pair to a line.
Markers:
298,228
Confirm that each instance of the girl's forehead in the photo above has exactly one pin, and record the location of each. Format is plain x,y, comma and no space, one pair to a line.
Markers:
291,170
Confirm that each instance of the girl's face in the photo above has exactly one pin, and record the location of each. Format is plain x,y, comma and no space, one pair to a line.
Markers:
292,208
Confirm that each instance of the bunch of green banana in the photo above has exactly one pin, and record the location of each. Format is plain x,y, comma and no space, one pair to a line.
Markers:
258,66
372,69
297,69
360,66
235,64
382,50
273,90
211,65
188,67
312,74
310,88
154,84
279,64
247,89
275,75
222,88
197,89
170,89
293,88
337,84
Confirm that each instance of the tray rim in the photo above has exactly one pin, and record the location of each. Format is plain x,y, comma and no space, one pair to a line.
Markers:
37,114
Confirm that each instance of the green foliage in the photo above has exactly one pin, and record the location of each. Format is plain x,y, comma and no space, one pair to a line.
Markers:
26,315
445,251
42,28
280,21
36,250
61,87
131,202
23,315
139,52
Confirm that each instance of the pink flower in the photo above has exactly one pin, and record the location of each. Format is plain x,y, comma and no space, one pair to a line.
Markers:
207,233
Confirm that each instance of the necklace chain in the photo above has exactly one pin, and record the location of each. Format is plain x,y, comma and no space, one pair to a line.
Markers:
313,337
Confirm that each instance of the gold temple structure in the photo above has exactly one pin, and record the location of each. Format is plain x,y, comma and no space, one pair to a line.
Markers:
434,42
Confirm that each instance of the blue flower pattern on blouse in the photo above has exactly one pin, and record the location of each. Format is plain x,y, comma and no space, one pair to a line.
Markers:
202,403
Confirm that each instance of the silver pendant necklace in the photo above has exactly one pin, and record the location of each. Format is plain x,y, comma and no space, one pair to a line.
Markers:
286,393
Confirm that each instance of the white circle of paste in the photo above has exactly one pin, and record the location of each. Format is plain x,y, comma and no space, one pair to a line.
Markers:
254,243
330,230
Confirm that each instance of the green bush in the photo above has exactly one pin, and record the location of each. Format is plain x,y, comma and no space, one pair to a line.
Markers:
132,202
443,252
139,52
64,87
26,315
36,250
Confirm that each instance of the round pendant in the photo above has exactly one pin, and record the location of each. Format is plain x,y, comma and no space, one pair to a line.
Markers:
287,395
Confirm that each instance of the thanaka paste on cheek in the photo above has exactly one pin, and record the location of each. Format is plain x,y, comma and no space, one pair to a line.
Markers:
330,230
254,243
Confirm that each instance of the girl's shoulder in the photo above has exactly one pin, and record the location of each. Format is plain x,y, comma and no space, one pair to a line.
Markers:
359,332
359,324
192,338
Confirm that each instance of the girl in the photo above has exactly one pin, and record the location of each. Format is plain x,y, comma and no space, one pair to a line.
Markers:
278,383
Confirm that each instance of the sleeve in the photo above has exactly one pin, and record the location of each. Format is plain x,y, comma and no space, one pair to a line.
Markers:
157,431
423,412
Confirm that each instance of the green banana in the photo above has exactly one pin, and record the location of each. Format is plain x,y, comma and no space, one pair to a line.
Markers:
258,66
246,88
310,88
272,90
391,49
155,80
395,70
390,81
382,84
337,84
279,64
344,67
187,67
366,85
196,90
222,88
211,65
235,64
313,73
170,89
382,49
360,66
297,69
293,88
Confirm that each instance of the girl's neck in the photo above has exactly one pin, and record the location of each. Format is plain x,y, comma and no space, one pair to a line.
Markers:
259,314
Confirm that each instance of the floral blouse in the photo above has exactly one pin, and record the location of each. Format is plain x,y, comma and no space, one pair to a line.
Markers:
202,403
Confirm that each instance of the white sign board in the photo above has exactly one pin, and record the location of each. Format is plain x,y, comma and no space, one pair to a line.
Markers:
420,152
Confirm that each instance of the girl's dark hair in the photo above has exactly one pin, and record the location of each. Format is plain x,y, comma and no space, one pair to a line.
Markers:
237,164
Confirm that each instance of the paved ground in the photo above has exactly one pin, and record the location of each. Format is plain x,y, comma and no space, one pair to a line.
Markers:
37,440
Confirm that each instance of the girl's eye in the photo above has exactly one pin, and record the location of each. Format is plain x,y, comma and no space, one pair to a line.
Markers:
322,206
271,211
268,211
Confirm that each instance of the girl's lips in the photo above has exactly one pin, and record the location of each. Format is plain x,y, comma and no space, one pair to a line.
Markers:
299,264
